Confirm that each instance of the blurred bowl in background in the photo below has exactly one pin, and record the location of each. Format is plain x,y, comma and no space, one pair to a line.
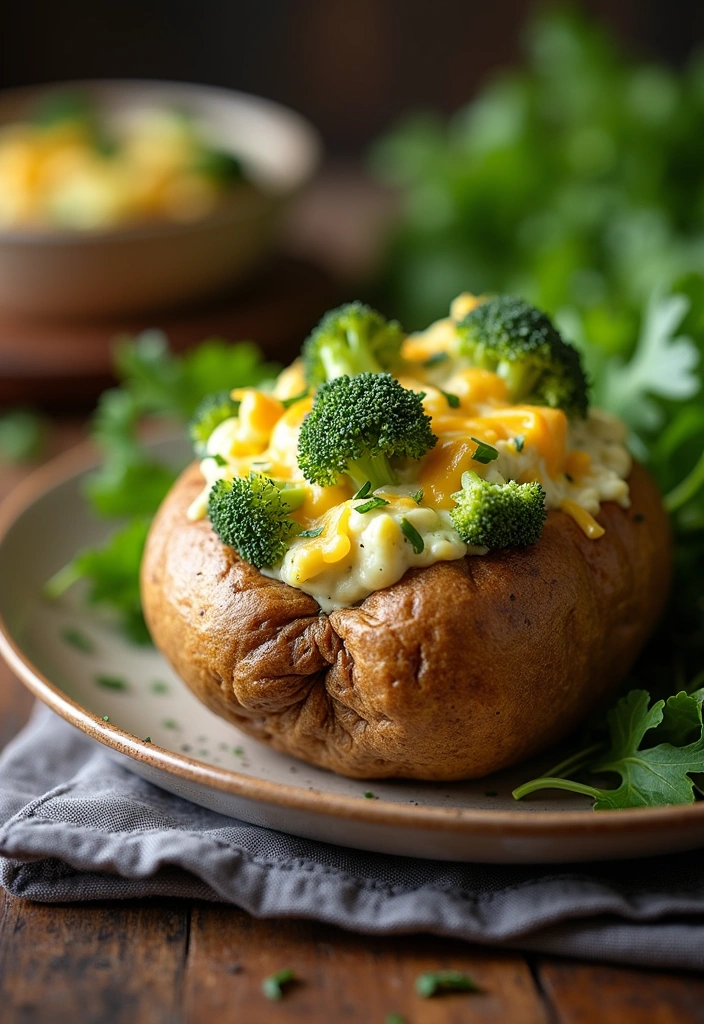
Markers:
161,264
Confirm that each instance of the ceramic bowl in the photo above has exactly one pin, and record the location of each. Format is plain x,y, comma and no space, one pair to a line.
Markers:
62,273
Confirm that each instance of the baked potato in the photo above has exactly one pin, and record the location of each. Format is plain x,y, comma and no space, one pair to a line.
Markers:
489,636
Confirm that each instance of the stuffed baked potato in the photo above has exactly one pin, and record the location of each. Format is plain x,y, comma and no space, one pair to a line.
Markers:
492,641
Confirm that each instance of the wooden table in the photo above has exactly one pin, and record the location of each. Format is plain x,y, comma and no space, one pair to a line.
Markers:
173,961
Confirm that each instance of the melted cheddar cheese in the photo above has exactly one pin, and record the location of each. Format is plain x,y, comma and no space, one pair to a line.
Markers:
579,464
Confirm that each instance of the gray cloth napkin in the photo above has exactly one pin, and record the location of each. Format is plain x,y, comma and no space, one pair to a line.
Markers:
75,825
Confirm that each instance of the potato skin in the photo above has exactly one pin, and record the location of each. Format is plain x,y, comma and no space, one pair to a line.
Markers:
454,672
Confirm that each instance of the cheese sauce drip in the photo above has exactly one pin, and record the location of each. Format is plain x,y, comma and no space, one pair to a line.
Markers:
579,464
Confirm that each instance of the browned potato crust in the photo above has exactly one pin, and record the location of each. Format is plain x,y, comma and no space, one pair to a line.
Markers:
454,672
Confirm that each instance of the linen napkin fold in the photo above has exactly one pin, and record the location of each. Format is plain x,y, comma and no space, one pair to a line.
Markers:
75,825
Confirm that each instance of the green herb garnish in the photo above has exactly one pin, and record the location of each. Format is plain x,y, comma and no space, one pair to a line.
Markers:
418,496
363,491
484,453
652,773
369,795
452,400
311,533
219,459
116,683
434,982
106,718
272,987
78,639
436,359
519,441
412,536
288,402
367,506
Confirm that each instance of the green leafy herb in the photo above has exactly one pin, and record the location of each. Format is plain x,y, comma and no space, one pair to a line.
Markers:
288,402
106,718
311,533
219,459
367,506
452,400
418,496
369,795
519,441
273,986
663,364
111,683
484,453
159,688
651,775
131,483
147,739
436,359
112,573
78,639
435,982
363,491
22,435
412,536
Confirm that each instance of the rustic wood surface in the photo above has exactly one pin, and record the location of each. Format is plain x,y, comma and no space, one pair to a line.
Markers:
167,962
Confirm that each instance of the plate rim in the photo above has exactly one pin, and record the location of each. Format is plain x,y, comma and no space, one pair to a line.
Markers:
515,824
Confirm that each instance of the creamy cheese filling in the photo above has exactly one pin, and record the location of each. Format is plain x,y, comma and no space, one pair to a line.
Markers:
579,464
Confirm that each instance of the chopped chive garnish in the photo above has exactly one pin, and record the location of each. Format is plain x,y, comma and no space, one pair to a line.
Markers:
369,795
519,440
367,506
170,723
288,402
452,400
106,718
272,987
363,491
238,751
219,459
444,981
418,496
436,359
159,687
484,453
77,639
147,739
412,536
311,533
111,682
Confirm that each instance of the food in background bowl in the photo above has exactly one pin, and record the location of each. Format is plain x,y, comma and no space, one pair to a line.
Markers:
72,166
418,556
157,262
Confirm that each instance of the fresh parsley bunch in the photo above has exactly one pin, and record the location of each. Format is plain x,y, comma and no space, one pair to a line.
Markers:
157,387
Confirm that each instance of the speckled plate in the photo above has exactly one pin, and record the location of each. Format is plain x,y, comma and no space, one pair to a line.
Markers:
82,667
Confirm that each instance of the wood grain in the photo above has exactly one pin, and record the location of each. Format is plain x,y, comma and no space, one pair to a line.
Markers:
92,964
343,977
581,993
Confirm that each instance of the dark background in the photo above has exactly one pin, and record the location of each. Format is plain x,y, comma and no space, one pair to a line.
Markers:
351,66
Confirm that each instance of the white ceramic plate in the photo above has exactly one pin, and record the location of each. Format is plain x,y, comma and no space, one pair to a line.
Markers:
199,756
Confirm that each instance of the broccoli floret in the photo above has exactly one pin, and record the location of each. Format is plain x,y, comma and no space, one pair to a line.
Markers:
349,340
517,341
494,515
357,424
212,411
253,515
